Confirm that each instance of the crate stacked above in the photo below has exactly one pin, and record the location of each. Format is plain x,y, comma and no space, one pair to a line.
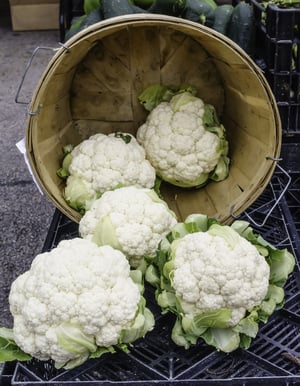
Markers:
277,42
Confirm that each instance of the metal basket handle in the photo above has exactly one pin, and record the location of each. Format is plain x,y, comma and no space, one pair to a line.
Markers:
28,65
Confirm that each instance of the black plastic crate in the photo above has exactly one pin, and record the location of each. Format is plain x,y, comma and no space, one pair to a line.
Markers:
273,358
7,373
277,36
69,10
282,23
285,86
279,55
279,23
290,117
277,52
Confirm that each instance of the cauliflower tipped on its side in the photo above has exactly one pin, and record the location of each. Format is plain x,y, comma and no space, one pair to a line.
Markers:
77,301
220,281
101,163
131,219
184,141
209,274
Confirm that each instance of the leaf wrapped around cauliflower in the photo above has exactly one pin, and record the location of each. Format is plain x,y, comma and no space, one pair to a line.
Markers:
183,138
220,281
76,302
101,163
133,220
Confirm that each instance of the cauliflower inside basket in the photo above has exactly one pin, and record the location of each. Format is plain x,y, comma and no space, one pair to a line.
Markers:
101,163
183,138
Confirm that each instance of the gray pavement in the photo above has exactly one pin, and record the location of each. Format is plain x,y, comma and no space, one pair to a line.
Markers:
25,213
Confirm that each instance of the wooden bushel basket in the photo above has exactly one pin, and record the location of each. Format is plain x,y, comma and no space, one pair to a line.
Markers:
92,85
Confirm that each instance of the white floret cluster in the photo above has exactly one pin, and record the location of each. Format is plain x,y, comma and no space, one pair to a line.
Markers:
136,220
80,284
177,143
210,274
106,161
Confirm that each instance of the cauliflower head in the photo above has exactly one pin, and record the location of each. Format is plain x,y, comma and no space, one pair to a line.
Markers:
211,274
133,220
77,301
103,162
185,142
220,281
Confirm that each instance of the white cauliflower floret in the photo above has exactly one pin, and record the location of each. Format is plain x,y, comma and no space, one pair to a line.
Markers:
184,141
104,162
211,274
131,219
71,296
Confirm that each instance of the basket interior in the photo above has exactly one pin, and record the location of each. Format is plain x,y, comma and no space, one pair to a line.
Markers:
94,85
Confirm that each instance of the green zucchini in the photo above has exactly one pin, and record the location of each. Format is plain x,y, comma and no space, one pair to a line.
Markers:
143,3
83,22
168,7
222,18
212,3
90,5
199,11
112,8
241,27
